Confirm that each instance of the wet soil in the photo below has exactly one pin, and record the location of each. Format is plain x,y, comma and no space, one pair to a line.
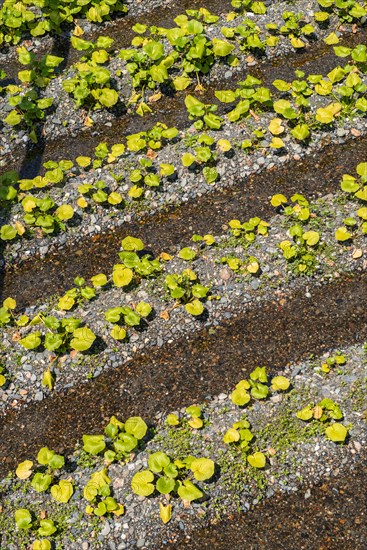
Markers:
171,108
333,518
287,329
318,174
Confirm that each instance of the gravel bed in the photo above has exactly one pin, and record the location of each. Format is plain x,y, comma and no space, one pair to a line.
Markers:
298,456
230,294
65,120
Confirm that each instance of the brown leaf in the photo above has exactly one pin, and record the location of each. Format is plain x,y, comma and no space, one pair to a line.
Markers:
164,315
16,337
155,97
151,154
357,253
74,353
317,412
355,132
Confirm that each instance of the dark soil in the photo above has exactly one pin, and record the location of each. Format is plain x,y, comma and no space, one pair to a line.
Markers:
333,518
317,174
286,329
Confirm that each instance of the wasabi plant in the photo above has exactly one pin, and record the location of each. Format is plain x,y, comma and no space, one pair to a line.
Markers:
186,289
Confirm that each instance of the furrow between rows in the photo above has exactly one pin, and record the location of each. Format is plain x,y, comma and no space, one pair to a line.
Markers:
195,367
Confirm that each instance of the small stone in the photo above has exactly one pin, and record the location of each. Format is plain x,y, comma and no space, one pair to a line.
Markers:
140,543
307,494
38,396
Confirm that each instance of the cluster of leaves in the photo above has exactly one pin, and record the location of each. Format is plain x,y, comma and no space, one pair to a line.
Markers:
294,27
186,289
202,113
249,265
79,293
325,412
357,188
347,10
246,232
147,174
99,193
193,419
91,86
119,439
98,492
172,478
128,316
62,335
258,386
203,156
337,359
17,20
247,35
46,475
29,105
251,95
300,253
241,436
7,316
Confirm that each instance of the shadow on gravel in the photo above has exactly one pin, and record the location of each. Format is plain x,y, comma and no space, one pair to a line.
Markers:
286,329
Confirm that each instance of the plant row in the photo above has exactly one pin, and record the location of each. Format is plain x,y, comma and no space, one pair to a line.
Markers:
164,58
342,94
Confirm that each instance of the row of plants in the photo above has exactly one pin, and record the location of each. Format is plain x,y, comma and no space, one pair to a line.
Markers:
22,18
303,252
166,477
343,85
190,54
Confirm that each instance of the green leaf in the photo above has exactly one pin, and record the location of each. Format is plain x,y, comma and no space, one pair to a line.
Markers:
64,212
195,307
63,491
342,234
47,528
94,444
32,341
165,512
24,469
240,397
118,333
336,432
122,276
158,461
188,159
221,48
41,482
13,118
257,460
83,339
143,309
280,383
99,280
305,414
155,50
136,426
8,233
231,436
202,468
43,544
23,518
187,254
188,491
141,483
165,485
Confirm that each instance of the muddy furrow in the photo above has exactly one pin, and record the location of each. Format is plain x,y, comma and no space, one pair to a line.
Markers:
172,109
275,333
318,174
331,517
